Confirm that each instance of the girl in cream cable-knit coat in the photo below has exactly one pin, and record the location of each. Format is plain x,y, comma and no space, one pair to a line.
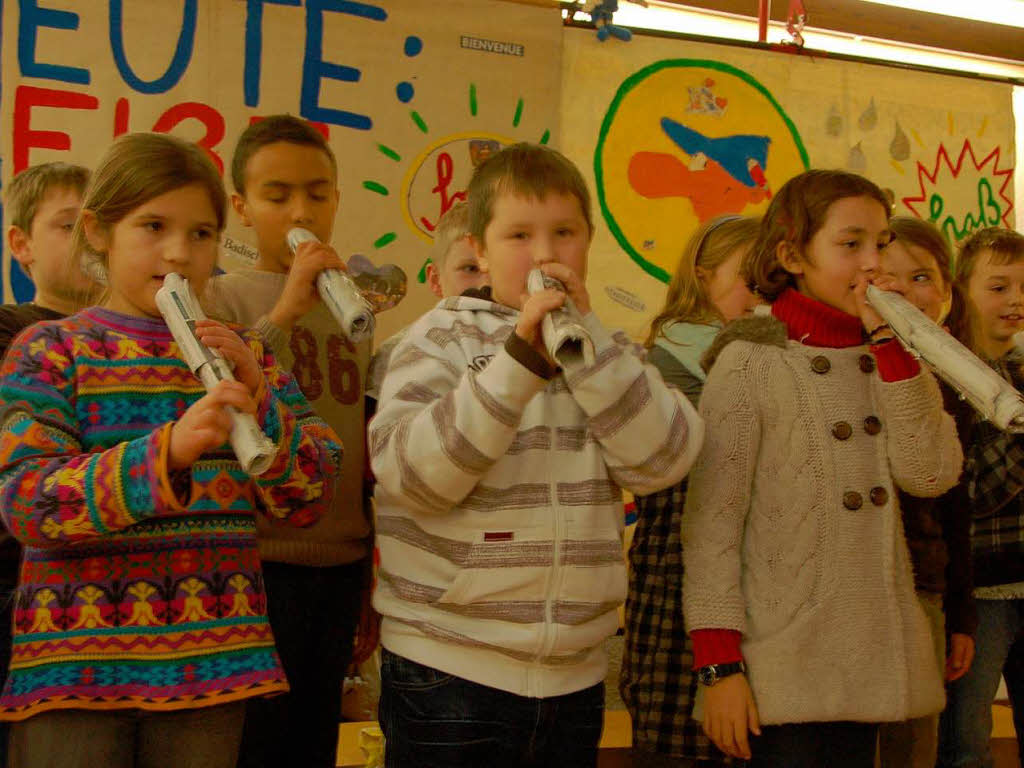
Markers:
795,558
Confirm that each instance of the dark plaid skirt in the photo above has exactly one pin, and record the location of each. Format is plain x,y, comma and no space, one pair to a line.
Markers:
657,681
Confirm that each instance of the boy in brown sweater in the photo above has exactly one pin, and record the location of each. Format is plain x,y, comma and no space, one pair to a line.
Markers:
317,578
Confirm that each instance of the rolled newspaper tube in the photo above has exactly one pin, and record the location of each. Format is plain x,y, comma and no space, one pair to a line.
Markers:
565,337
988,393
341,295
180,309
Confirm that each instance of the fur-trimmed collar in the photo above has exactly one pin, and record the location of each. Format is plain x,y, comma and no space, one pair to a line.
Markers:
759,329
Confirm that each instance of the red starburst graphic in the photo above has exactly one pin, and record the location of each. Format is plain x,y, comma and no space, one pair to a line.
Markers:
955,168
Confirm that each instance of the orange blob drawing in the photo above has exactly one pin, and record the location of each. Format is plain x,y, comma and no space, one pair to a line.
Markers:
710,189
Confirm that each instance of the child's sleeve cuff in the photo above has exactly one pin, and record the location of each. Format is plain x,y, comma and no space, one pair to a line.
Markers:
176,497
715,646
528,357
274,336
894,362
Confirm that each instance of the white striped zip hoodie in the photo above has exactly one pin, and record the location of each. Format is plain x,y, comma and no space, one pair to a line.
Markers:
499,503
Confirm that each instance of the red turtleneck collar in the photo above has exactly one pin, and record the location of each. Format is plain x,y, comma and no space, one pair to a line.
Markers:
818,325
815,324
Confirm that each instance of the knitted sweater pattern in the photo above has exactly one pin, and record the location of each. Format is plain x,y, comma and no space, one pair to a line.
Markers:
14,318
499,503
792,534
141,586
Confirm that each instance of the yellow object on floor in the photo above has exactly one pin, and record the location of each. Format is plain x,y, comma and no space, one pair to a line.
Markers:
1002,722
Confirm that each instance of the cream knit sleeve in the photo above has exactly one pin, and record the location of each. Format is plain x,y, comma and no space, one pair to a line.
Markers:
925,456
720,493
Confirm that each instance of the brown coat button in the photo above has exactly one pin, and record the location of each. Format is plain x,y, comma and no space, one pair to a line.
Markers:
821,364
853,500
866,363
841,430
879,496
872,425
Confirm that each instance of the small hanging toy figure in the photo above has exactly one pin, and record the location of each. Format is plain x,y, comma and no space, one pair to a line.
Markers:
601,12
795,22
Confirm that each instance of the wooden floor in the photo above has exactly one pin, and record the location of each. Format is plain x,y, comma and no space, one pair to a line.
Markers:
616,740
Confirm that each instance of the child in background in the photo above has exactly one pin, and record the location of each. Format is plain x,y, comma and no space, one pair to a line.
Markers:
499,509
657,681
797,576
453,269
318,579
140,624
42,202
917,262
990,277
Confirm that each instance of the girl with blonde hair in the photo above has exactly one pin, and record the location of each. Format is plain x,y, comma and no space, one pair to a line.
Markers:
657,682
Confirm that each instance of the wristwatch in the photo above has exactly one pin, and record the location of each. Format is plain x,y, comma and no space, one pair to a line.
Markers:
712,673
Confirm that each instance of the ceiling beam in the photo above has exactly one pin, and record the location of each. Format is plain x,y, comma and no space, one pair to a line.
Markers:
871,20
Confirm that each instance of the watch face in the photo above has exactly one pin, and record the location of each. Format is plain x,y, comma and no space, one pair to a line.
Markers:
706,675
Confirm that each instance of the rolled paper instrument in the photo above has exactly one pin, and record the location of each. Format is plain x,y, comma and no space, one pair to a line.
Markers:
180,309
565,337
341,295
988,393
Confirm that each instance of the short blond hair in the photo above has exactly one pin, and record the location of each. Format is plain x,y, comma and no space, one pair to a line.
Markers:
525,170
687,300
1004,246
30,187
451,228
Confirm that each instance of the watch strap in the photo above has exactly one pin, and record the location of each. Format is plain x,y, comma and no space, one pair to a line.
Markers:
712,673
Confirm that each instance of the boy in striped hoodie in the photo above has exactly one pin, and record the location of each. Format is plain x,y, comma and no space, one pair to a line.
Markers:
499,509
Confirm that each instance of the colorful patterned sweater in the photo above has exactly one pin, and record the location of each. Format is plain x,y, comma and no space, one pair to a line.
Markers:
141,586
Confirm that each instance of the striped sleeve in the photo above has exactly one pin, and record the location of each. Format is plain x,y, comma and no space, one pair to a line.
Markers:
649,432
51,491
440,425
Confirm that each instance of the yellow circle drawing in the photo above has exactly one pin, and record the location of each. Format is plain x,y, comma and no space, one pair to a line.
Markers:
439,175
683,141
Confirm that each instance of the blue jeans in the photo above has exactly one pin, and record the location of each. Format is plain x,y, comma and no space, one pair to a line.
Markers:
966,726
432,719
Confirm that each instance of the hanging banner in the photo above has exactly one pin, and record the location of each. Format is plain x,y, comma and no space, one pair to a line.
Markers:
411,95
673,133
